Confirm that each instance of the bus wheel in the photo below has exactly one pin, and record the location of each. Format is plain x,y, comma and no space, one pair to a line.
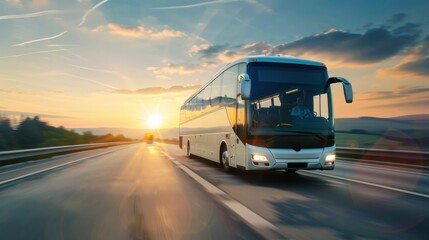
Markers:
188,151
225,159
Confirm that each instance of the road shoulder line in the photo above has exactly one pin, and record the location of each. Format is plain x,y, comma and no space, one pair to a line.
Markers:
54,167
253,219
370,184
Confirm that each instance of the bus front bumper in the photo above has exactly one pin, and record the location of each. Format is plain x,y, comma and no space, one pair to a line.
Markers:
310,159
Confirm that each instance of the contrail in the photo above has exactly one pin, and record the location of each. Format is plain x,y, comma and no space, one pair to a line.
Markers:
90,80
39,40
30,15
93,69
33,53
89,12
196,4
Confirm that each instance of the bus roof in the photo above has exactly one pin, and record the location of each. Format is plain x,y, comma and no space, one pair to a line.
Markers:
278,59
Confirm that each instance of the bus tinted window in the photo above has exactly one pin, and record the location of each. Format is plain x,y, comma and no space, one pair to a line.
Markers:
269,78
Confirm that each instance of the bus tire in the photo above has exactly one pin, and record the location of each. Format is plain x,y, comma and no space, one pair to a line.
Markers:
224,159
188,151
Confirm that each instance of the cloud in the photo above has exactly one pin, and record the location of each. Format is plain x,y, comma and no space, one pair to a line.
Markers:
418,68
207,49
397,18
89,11
224,53
414,64
163,77
404,104
397,92
158,90
229,56
335,47
171,69
140,32
38,3
39,40
31,15
396,97
29,3
411,29
14,2
373,46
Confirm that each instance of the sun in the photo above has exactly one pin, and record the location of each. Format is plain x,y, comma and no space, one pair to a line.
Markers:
154,121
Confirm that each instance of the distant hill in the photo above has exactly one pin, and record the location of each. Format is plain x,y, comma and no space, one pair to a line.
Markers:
134,133
381,125
405,132
421,117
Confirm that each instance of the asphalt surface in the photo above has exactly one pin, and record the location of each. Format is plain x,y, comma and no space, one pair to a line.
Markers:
154,192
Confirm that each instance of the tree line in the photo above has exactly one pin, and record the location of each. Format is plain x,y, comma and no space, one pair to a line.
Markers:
35,133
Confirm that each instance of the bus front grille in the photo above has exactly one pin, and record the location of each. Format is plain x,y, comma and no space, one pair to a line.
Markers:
297,165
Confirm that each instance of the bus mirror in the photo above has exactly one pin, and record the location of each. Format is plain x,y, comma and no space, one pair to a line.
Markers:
347,87
244,80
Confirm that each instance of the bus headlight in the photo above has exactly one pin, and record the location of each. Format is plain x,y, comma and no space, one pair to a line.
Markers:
330,158
259,158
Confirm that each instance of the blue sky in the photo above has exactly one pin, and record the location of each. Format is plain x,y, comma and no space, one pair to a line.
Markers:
111,63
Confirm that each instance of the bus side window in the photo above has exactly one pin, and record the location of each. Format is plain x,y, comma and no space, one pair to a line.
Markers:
229,85
216,93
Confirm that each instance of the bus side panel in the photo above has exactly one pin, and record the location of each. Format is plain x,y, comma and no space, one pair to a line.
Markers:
206,134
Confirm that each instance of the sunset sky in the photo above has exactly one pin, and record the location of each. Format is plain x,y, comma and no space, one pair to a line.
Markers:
113,63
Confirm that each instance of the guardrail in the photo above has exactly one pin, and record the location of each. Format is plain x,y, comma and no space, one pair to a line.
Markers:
377,155
16,154
402,157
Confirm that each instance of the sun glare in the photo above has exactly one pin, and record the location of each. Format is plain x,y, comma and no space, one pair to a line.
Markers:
154,121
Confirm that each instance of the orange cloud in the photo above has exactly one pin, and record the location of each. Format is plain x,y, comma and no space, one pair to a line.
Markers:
140,32
32,3
415,64
171,69
158,90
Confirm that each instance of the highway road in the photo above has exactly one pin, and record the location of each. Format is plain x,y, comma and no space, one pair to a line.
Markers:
152,191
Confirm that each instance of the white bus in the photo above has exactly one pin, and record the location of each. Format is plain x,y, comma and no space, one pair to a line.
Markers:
264,113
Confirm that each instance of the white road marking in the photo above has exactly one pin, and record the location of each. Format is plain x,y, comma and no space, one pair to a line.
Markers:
248,215
54,167
18,169
208,186
177,163
336,182
371,184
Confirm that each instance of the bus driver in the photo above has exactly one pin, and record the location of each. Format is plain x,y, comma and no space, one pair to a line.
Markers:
300,110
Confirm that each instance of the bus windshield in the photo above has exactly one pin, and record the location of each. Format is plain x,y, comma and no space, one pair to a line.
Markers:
289,99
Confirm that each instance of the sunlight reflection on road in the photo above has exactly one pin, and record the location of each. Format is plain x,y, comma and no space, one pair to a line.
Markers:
156,205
